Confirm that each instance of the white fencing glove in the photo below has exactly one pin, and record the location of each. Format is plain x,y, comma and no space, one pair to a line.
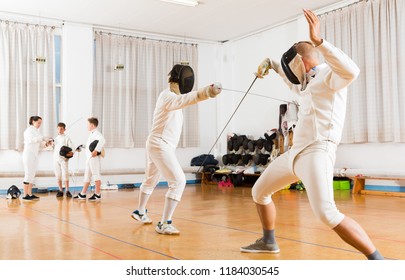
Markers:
214,89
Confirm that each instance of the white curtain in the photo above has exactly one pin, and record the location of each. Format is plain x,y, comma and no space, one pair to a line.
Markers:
372,33
124,100
26,87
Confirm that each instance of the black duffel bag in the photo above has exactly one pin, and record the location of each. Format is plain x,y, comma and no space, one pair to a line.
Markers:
204,159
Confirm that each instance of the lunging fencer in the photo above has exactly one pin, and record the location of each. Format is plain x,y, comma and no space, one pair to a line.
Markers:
323,91
63,151
33,142
162,142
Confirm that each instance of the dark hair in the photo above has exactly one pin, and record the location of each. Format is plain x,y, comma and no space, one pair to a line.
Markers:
61,124
93,121
34,119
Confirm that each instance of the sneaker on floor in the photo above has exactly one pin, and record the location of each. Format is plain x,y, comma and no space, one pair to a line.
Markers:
95,197
27,197
260,247
166,228
68,194
80,196
59,194
34,197
142,218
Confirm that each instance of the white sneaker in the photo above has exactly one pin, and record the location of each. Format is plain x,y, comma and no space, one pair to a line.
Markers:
142,218
166,228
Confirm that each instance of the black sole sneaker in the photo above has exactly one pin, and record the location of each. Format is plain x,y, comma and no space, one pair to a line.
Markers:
80,196
27,198
30,197
34,197
95,197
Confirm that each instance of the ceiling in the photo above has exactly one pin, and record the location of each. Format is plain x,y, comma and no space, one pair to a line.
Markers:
212,20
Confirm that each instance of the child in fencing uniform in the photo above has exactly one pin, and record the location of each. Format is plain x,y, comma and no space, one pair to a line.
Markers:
94,148
323,91
162,142
33,142
63,151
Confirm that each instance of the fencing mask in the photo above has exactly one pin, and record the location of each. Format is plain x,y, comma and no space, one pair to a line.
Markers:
294,67
93,145
13,192
66,152
184,76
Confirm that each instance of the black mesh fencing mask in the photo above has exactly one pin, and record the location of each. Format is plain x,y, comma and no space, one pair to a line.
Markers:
13,192
65,152
184,76
293,67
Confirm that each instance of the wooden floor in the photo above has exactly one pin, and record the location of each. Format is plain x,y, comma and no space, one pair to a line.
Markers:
214,223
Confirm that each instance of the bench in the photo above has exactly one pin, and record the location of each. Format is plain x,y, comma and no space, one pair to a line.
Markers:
359,183
359,177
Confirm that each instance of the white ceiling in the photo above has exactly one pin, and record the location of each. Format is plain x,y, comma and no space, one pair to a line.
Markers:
212,20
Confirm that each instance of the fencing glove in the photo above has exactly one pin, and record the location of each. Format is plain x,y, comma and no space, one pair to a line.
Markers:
214,89
264,68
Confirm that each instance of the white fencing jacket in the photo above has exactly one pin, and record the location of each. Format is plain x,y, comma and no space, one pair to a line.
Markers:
59,141
323,103
168,118
32,141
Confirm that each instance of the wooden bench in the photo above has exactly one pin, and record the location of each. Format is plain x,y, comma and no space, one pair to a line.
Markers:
359,182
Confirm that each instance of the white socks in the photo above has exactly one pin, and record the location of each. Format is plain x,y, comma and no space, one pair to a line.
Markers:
143,200
170,206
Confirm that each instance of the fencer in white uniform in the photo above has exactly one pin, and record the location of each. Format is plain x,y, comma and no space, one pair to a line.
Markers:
94,150
162,142
323,90
33,142
61,163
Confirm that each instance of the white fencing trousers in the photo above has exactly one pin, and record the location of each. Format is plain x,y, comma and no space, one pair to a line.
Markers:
61,168
314,167
93,167
161,159
30,166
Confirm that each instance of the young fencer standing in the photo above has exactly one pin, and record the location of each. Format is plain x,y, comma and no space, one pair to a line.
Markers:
162,142
94,147
323,91
61,162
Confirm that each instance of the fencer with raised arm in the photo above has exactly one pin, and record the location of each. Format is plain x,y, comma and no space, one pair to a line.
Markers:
323,92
